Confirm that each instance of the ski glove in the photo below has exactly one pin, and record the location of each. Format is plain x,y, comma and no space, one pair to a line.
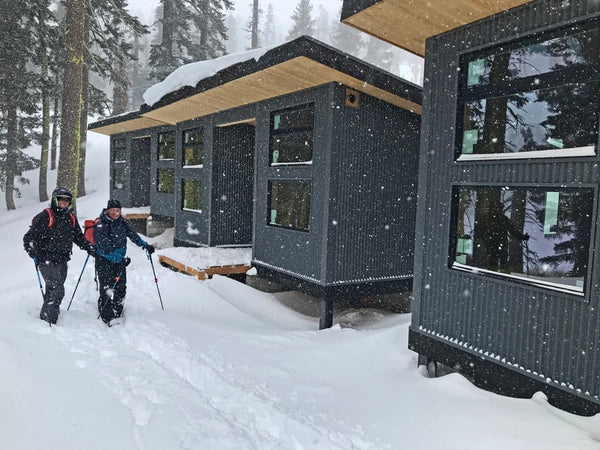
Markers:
125,261
29,248
149,248
92,252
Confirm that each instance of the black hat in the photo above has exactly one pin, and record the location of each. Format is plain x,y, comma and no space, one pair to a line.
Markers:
112,203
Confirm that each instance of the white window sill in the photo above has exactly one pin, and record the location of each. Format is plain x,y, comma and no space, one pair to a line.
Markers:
199,211
561,153
303,163
534,281
197,166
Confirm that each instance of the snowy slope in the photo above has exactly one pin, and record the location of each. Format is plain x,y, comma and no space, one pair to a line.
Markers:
227,367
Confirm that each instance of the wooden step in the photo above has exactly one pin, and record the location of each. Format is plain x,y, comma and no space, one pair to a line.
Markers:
202,274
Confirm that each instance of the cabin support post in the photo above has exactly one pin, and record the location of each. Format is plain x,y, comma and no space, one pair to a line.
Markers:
326,320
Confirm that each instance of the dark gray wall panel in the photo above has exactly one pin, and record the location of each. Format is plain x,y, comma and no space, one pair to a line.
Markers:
372,198
539,332
298,253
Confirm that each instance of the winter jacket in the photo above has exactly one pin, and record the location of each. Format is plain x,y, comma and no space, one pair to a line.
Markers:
55,243
110,237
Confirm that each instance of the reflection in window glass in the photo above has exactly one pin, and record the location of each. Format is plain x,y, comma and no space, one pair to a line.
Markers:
289,204
292,135
540,235
539,98
166,145
549,56
193,145
165,180
192,195
545,119
119,147
119,178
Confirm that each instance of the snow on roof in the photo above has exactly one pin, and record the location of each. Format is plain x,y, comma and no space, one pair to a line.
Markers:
191,74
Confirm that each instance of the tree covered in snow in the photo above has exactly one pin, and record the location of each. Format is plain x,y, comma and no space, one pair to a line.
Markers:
270,27
303,23
190,30
20,87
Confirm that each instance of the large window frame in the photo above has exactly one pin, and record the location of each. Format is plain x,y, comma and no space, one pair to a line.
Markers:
167,186
119,150
282,129
193,147
299,218
166,145
188,186
534,219
507,85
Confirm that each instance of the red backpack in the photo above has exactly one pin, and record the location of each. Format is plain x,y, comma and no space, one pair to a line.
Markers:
88,227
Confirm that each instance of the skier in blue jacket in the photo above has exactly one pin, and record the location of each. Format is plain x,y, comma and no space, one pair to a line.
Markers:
110,237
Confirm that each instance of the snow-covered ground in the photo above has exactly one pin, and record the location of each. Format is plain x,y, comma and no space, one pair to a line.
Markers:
227,367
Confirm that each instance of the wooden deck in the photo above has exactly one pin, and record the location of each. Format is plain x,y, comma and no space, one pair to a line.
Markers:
202,273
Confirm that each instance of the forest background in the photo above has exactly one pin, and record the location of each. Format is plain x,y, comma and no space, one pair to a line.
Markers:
63,61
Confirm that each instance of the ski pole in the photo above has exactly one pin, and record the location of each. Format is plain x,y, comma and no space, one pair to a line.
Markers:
155,279
39,278
80,275
113,295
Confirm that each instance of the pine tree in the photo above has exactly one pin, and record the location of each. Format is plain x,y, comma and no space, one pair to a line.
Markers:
303,24
191,30
19,90
347,38
270,34
323,27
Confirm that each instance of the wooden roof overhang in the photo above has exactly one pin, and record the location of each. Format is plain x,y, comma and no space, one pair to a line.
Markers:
408,23
300,64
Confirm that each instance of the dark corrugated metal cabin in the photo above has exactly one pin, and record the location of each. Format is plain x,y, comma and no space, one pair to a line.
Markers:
308,148
506,288
335,216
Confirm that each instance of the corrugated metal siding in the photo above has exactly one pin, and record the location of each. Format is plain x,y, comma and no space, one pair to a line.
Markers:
536,331
297,253
233,178
372,196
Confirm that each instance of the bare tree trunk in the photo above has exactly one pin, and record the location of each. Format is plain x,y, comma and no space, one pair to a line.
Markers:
70,135
85,94
254,25
43,178
54,139
121,86
11,157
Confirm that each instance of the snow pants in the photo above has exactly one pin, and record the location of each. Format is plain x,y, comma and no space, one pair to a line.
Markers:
54,274
110,303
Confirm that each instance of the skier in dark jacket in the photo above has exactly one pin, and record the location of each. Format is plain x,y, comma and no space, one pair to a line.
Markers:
110,237
49,241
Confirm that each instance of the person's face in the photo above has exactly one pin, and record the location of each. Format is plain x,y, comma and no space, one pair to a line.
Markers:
114,213
63,202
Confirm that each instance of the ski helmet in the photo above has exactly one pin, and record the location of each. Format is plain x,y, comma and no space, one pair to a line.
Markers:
60,192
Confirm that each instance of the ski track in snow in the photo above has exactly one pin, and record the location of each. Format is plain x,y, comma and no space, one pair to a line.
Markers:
154,372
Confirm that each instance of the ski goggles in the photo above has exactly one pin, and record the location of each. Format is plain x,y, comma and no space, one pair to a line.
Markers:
63,198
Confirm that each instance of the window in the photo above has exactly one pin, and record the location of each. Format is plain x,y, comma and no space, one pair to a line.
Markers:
193,145
289,204
166,146
118,178
166,179
534,234
536,101
119,148
192,195
292,135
